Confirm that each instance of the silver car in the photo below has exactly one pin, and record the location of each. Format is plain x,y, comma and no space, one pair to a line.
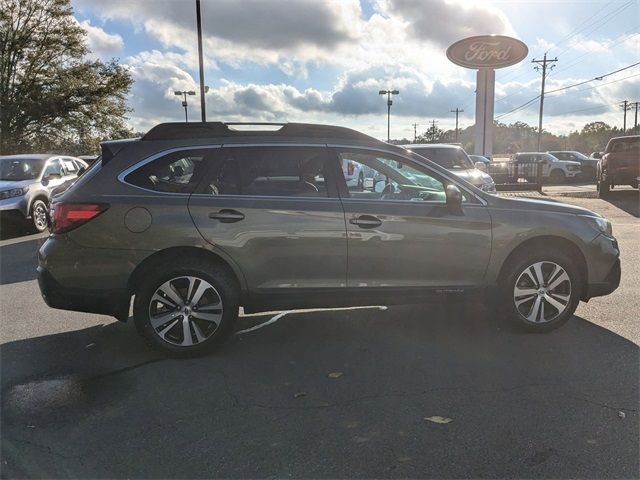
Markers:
26,183
455,159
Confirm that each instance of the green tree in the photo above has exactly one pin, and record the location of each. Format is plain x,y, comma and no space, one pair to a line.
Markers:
51,96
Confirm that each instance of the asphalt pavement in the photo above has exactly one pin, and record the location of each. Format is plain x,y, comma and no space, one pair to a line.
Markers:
433,391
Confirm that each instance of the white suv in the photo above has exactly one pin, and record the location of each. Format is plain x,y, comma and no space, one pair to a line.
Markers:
556,171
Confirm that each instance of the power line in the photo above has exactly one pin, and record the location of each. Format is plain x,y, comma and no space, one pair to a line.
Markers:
625,104
595,78
599,85
584,22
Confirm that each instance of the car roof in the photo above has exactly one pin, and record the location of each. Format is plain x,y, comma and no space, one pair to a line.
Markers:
424,146
30,156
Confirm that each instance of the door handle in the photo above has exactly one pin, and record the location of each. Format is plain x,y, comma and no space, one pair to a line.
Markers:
366,221
227,216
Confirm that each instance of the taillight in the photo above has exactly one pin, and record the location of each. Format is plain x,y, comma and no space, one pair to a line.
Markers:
350,168
67,216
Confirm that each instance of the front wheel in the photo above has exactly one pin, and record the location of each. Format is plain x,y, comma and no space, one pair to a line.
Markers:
186,309
541,291
557,176
39,216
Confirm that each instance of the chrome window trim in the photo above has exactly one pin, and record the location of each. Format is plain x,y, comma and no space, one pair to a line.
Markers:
155,156
447,175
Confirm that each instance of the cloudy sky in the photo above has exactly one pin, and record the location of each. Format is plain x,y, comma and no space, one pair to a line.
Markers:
325,60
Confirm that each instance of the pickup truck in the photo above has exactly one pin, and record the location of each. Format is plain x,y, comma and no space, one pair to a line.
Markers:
619,165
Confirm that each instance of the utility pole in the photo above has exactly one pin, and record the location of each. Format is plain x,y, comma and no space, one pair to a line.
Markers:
388,93
202,88
544,63
457,111
433,130
635,121
626,105
415,132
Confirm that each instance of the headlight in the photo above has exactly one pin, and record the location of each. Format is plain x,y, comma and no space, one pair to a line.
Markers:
488,187
14,192
601,224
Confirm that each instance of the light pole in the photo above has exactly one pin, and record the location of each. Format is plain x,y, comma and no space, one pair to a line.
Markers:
388,93
200,63
184,94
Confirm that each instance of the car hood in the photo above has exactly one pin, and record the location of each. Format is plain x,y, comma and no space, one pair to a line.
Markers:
10,184
535,204
473,176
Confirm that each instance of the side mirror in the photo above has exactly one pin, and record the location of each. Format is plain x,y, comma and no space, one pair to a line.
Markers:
454,198
597,155
480,166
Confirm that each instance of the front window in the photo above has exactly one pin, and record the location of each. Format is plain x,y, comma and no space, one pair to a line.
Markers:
20,169
449,158
391,179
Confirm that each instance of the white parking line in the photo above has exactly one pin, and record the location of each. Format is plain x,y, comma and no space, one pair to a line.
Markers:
277,317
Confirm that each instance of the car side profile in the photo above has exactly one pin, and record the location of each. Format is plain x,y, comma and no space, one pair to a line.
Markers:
588,165
554,170
194,220
27,181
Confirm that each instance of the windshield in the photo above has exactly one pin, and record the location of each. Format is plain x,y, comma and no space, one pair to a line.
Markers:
581,156
16,169
449,158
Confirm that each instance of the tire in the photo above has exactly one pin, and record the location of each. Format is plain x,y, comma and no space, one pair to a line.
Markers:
39,216
361,181
603,187
557,176
172,326
540,306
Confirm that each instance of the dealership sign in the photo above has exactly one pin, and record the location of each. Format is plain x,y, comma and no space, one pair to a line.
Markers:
487,51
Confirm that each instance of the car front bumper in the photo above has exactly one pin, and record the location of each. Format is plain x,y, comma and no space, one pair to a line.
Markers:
15,205
603,262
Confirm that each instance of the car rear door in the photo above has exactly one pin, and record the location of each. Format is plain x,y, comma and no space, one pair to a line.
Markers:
274,210
403,240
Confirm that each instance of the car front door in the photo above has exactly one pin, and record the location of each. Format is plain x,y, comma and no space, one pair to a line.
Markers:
274,210
53,174
403,240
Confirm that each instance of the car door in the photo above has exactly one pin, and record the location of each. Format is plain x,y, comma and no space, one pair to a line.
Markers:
53,174
274,210
402,237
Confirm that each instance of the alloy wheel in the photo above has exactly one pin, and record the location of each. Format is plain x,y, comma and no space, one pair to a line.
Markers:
185,311
542,292
40,216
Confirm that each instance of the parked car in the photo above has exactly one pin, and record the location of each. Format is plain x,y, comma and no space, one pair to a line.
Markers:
355,173
456,160
588,165
480,158
620,164
553,170
194,220
26,183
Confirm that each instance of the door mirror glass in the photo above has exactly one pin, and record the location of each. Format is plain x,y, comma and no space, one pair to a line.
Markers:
454,197
481,166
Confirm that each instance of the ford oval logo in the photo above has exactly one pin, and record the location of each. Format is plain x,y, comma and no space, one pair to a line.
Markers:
487,51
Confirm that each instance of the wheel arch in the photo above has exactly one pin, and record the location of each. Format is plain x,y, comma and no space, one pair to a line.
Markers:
171,253
38,196
549,242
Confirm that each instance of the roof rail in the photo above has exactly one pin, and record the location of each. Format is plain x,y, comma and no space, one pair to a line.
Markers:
181,131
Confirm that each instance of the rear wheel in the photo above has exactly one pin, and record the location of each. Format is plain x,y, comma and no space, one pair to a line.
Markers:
541,290
39,216
186,309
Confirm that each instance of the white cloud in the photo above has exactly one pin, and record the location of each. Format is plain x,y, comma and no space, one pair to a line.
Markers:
101,43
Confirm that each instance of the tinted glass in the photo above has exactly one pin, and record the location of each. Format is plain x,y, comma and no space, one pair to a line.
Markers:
624,145
21,169
449,158
177,172
269,171
388,179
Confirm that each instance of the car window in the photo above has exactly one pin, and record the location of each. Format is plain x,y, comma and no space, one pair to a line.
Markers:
268,171
562,155
54,167
624,145
69,166
176,172
16,169
449,158
391,179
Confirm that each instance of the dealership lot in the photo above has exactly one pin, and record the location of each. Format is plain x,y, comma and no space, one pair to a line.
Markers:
342,393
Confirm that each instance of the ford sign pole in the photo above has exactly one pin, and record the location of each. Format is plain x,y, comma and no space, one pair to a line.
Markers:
485,53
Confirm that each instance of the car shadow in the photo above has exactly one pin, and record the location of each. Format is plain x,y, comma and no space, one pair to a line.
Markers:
627,200
345,393
19,258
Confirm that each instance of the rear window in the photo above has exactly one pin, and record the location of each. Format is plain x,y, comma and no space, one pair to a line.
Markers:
623,145
176,172
449,158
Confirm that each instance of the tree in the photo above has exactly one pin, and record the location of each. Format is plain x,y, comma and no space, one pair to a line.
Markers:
51,96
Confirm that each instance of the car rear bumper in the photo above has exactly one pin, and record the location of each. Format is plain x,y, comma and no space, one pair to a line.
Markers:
105,302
